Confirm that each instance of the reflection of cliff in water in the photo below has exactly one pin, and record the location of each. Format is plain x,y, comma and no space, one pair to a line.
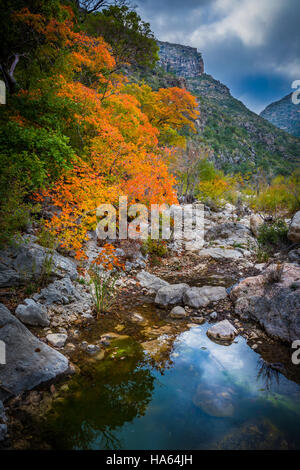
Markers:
102,399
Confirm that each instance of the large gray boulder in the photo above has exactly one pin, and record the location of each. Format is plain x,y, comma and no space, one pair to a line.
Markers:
201,296
150,281
231,234
29,361
294,229
273,300
27,260
222,331
222,254
32,313
171,294
60,291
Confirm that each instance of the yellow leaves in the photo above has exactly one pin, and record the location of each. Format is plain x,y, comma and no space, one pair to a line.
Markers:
168,110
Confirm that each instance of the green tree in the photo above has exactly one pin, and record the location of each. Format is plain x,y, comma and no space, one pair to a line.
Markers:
131,39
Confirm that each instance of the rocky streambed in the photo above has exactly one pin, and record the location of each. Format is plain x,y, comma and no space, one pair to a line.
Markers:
64,362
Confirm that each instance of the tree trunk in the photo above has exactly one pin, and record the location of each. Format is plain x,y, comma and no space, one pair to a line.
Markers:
8,74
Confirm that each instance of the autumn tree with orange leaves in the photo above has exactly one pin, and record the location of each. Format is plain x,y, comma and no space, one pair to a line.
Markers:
120,134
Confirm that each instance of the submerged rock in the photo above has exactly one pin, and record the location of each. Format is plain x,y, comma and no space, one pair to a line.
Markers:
32,313
201,296
178,312
156,348
29,360
272,299
222,331
216,401
57,340
92,348
171,294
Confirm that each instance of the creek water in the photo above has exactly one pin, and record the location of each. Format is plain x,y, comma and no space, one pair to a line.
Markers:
208,396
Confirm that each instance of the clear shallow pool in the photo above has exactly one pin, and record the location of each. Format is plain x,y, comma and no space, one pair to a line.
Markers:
211,396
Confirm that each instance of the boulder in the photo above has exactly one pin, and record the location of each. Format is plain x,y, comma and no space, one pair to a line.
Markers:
222,331
220,254
201,296
171,294
294,256
57,340
294,229
32,313
273,300
92,348
27,260
255,222
32,259
29,361
178,312
231,234
59,292
150,281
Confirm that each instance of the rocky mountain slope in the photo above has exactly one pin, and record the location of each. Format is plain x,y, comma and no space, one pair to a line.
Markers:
284,114
183,61
241,140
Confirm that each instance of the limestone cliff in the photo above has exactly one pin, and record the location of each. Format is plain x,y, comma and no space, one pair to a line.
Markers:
183,61
241,140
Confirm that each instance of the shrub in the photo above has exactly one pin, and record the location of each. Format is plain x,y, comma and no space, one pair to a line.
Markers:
104,275
104,290
273,234
31,156
155,248
281,196
275,274
15,214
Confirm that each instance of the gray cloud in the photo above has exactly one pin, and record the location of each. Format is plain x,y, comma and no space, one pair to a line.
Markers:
253,46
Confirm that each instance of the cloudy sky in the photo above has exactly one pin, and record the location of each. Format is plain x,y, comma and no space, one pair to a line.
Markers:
253,46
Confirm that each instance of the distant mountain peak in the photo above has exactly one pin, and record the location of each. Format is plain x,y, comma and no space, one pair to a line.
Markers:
284,114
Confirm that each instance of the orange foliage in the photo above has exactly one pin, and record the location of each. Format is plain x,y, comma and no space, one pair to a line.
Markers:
107,258
119,127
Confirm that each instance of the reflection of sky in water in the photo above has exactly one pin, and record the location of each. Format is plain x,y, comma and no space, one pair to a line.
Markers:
173,421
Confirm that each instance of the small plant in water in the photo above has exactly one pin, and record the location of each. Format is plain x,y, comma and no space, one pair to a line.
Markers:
104,275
